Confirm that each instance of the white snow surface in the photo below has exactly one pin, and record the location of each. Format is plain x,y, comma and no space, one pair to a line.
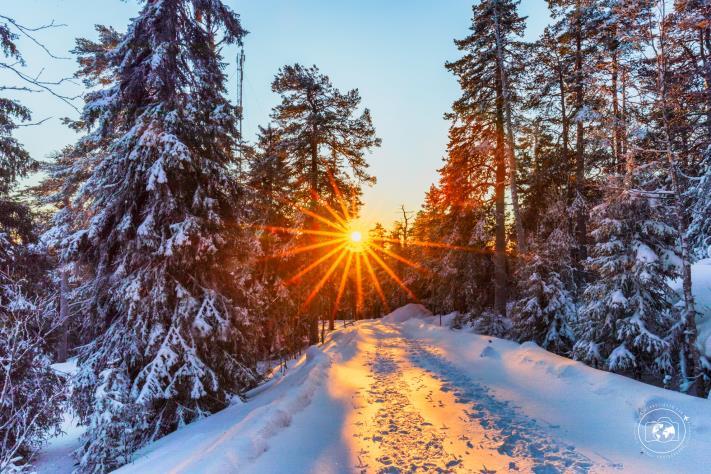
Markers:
701,277
381,395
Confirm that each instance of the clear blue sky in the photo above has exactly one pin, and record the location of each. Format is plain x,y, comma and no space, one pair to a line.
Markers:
393,51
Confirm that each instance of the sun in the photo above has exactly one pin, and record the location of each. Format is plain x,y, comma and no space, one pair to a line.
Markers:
355,241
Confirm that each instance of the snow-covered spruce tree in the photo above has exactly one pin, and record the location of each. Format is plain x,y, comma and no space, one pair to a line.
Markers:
65,175
163,243
30,392
627,311
691,34
15,161
545,311
270,185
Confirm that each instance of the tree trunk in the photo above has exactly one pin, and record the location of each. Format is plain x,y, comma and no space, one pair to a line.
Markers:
313,224
565,124
500,277
617,131
63,338
623,123
511,143
581,214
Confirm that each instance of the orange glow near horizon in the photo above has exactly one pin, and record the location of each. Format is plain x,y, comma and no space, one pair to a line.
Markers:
348,249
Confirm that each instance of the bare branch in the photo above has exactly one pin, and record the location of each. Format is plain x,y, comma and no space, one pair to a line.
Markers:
39,122
44,85
16,88
26,31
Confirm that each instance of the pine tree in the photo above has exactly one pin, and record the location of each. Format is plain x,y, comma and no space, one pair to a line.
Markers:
270,181
692,21
162,245
509,63
576,22
479,115
66,173
665,80
31,394
699,231
325,140
458,213
15,161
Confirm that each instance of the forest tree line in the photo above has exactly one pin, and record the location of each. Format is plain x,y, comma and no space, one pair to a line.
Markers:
580,165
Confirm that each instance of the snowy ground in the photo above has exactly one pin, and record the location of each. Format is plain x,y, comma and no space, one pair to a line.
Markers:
412,396
405,395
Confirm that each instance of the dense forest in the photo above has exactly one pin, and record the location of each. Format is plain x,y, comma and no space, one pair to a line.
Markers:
163,250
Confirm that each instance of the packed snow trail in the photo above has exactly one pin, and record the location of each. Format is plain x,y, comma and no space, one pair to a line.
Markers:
402,397
418,413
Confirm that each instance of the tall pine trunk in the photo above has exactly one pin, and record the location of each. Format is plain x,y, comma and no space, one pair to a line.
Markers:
63,337
617,119
690,363
581,216
500,275
511,143
313,176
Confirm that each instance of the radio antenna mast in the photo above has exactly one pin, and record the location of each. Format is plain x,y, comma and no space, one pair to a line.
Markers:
240,91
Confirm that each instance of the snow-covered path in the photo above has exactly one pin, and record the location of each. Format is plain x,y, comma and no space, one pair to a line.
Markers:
413,397
417,412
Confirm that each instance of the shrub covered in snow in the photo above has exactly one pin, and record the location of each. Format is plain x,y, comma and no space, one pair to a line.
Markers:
31,394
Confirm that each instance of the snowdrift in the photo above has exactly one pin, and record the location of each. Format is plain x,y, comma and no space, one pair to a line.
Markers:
516,403
232,438
407,312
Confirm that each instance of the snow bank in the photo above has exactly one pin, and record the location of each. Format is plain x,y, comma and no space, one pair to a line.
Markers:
529,402
701,278
409,311
594,411
528,399
239,434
